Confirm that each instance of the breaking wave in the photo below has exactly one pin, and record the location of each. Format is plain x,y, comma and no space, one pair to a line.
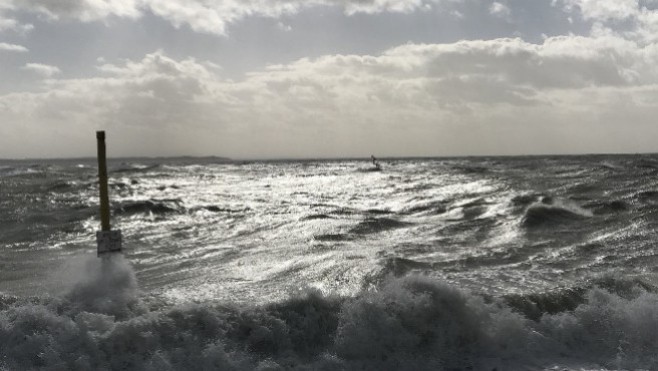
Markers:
548,213
149,206
415,322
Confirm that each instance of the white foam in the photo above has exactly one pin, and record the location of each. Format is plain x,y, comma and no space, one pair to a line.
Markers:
411,323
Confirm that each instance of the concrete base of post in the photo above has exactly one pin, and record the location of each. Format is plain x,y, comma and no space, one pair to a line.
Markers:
108,242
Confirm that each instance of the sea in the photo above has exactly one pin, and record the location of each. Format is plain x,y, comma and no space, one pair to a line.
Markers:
478,263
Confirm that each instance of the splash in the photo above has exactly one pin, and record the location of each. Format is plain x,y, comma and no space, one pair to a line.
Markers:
108,286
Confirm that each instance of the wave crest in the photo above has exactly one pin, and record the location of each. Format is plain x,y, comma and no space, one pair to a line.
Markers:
552,213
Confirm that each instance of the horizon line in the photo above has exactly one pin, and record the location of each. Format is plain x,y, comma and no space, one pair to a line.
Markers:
391,157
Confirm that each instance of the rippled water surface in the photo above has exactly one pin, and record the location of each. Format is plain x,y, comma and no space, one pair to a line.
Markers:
544,242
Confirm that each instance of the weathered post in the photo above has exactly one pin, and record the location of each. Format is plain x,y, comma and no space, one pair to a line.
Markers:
102,181
107,240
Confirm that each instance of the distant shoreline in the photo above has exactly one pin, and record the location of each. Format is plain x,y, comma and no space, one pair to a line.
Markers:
321,159
115,159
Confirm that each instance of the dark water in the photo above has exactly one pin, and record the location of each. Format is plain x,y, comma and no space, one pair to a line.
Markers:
455,264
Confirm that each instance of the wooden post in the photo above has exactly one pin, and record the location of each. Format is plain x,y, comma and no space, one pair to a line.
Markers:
107,240
102,181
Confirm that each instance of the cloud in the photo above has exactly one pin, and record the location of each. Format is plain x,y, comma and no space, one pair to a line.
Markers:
631,19
468,97
213,17
12,48
7,22
560,62
144,101
283,27
378,6
84,10
500,10
42,69
200,15
14,25
605,9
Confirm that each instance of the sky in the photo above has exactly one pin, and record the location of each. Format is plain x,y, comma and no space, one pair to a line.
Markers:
328,78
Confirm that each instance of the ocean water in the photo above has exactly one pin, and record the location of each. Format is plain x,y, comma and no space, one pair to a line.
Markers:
523,263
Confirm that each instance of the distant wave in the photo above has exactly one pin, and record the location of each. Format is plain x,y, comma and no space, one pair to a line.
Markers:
527,199
544,208
219,209
432,207
370,170
6,169
607,207
546,214
149,206
378,212
375,225
332,237
62,186
369,225
316,217
470,169
132,168
647,164
343,211
607,165
122,186
11,171
647,196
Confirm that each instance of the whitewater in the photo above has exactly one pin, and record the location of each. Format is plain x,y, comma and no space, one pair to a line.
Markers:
486,263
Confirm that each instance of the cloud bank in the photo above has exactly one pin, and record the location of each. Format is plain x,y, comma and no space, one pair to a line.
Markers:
417,98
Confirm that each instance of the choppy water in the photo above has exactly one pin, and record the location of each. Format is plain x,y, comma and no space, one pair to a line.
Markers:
457,264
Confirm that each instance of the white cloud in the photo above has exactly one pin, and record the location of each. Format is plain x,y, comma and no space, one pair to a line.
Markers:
14,25
42,69
213,17
500,10
457,14
12,48
84,10
283,27
7,24
378,6
630,19
605,9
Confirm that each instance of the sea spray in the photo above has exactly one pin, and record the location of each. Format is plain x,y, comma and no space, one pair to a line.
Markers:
63,332
109,287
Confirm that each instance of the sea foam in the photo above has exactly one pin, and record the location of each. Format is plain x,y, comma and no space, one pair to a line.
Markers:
406,323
